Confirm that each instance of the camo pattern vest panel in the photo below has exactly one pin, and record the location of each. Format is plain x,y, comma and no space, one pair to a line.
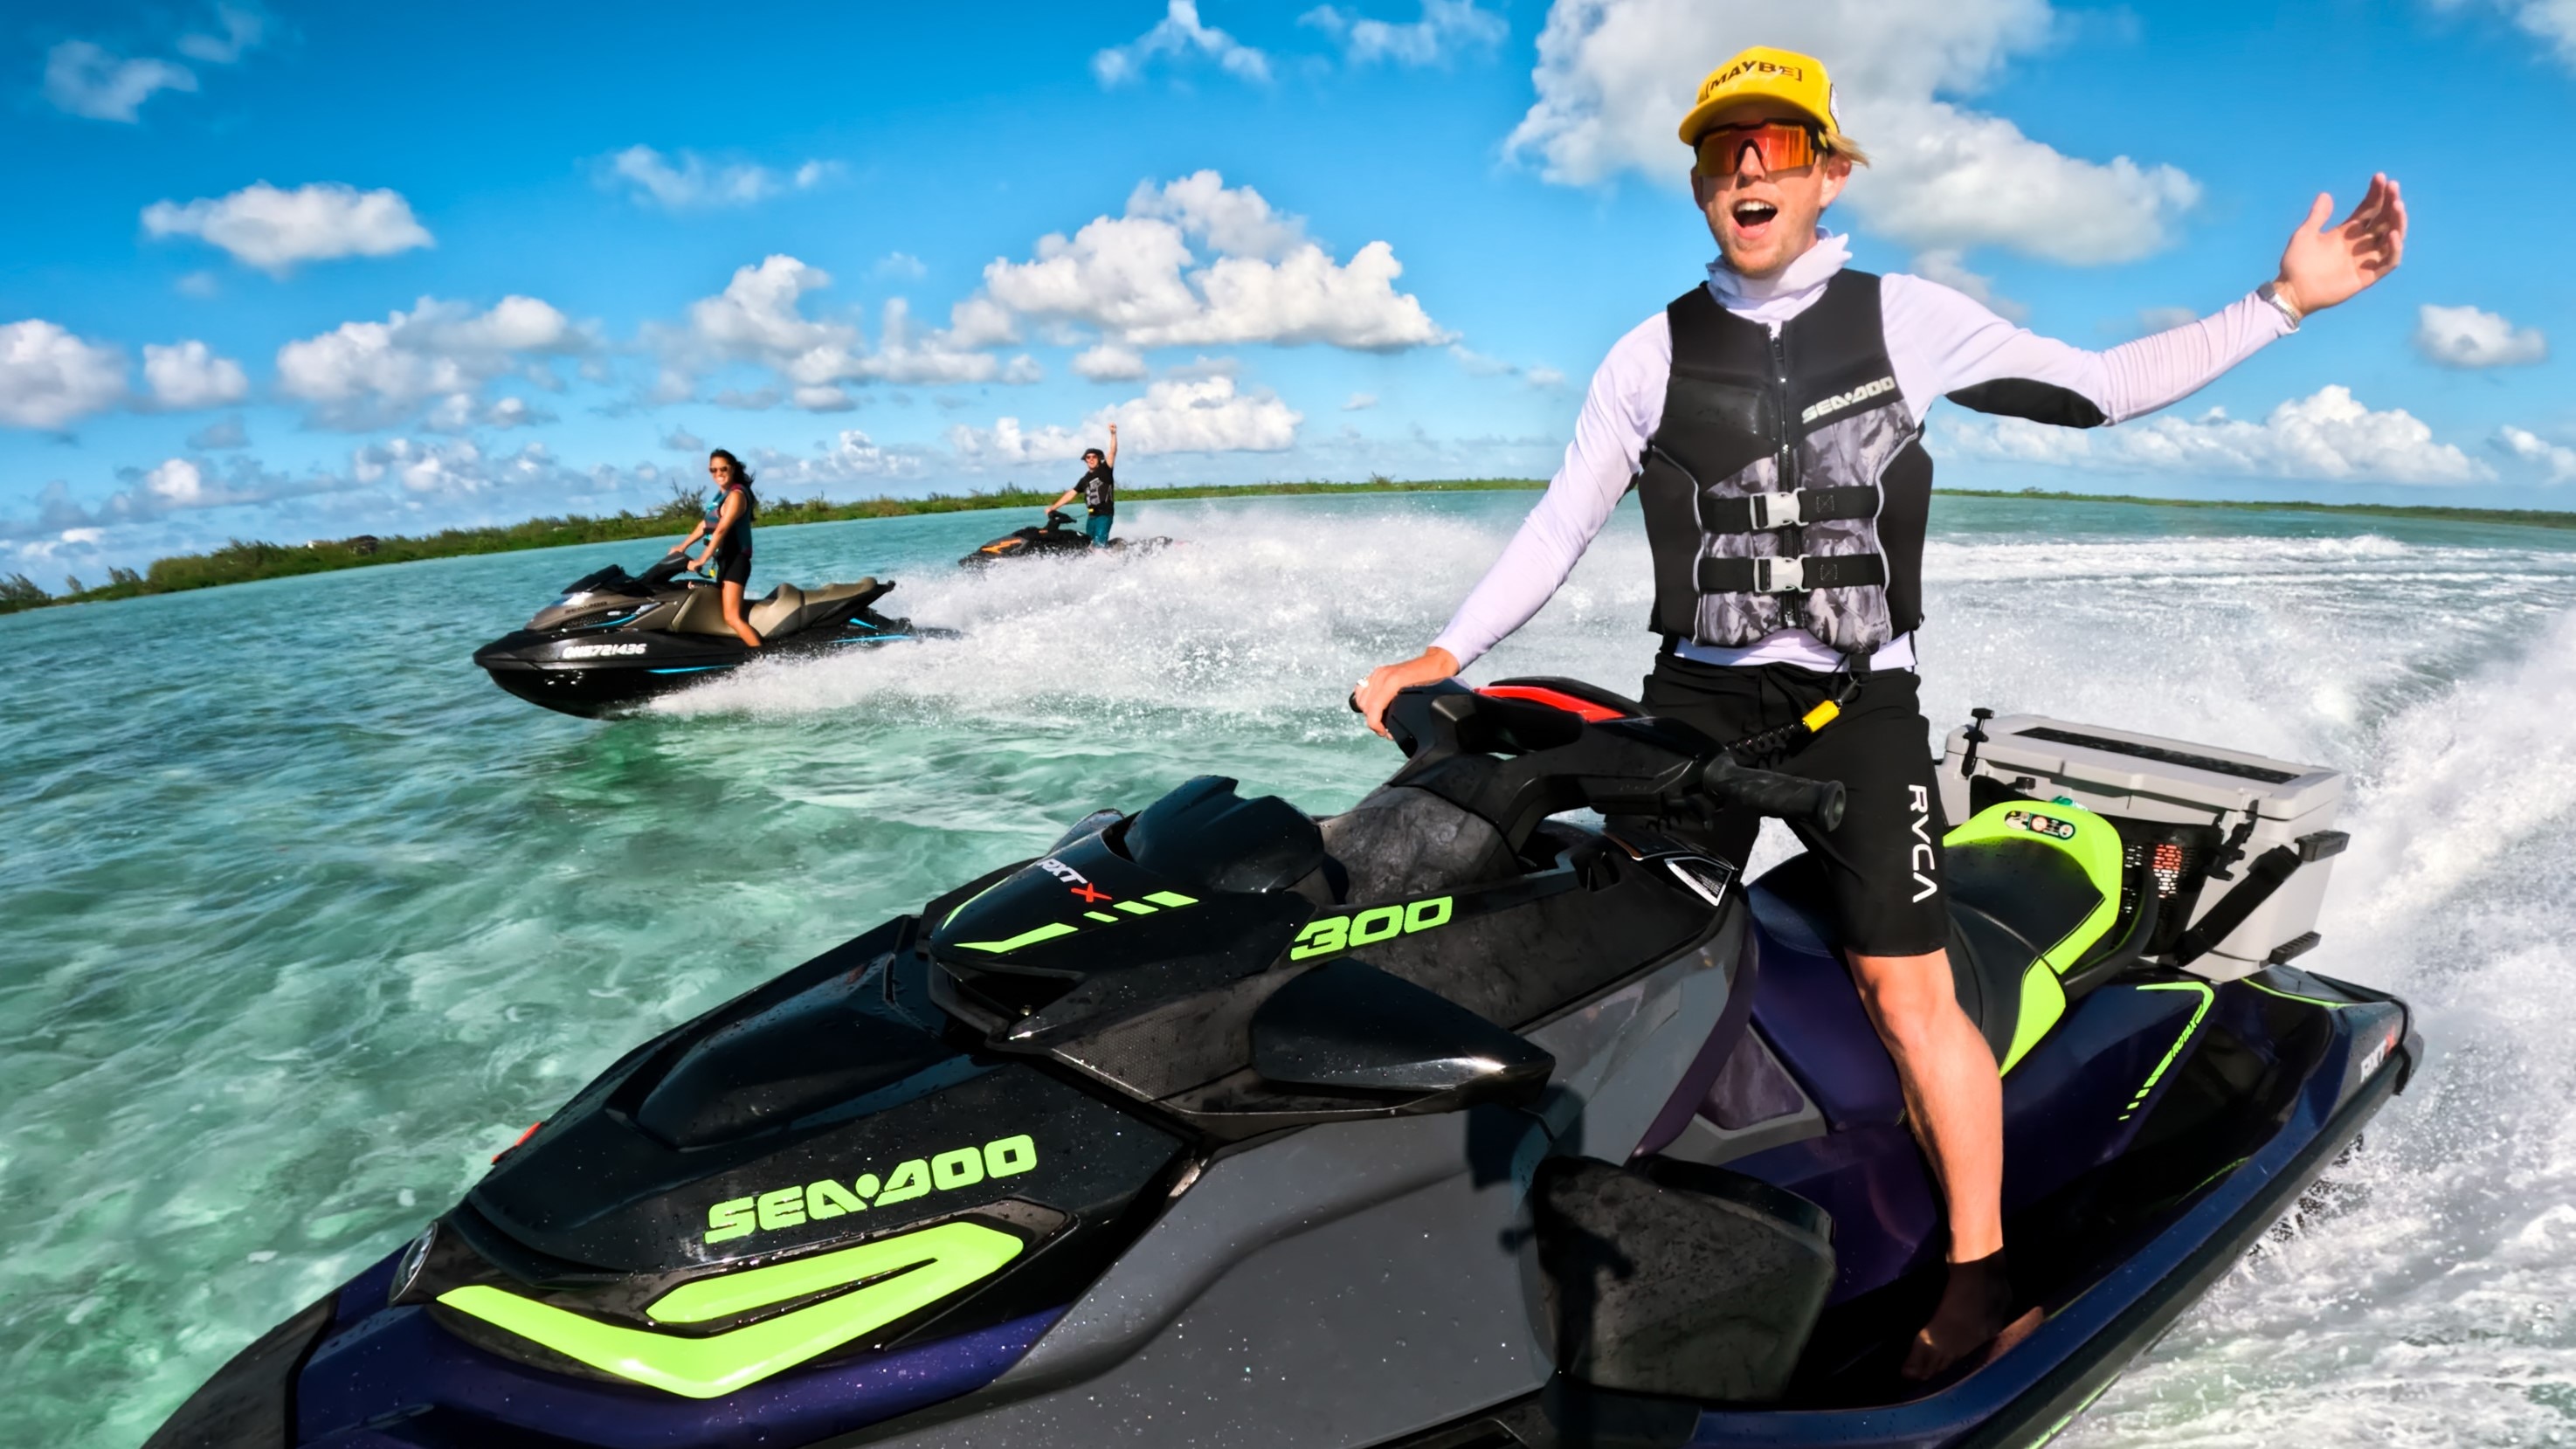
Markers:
1786,485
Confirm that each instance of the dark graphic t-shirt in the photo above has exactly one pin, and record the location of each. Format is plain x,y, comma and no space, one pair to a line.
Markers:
1100,489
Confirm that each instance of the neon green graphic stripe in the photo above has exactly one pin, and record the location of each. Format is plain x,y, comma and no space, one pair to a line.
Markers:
910,1272
2206,996
2294,996
1047,932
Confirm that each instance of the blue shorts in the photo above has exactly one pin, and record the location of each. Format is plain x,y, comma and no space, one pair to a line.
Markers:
1096,528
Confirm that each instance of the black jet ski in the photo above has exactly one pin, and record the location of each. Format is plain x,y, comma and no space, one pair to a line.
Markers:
1442,1122
1057,538
614,640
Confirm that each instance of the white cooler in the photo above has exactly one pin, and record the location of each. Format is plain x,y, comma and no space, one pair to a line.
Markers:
2184,806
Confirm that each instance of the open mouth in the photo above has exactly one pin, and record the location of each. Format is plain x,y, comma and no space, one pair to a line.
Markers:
1754,215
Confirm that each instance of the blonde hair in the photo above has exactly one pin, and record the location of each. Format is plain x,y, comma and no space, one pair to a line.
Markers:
1838,144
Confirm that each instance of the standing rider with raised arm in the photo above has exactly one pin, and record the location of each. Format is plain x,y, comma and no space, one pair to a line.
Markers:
1098,489
1771,423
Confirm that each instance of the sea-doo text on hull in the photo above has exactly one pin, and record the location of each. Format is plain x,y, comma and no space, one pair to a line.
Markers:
1437,1123
1057,539
613,641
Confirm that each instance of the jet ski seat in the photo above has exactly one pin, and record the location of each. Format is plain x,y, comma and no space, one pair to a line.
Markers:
775,614
834,593
2028,918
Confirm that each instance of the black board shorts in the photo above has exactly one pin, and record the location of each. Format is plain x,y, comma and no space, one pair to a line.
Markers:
1884,860
733,566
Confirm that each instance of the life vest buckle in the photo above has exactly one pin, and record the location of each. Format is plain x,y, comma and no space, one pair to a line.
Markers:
1779,574
1775,510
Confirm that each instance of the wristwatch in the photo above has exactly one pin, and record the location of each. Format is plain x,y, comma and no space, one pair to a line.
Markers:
2271,292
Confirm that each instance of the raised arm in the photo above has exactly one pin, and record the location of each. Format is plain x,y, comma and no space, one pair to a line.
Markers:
1113,446
1946,344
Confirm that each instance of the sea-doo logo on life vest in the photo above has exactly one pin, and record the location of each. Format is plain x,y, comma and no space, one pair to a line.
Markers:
1921,859
597,651
1842,400
790,1207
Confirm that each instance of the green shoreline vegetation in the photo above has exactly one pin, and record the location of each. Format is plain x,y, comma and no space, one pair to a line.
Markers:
240,562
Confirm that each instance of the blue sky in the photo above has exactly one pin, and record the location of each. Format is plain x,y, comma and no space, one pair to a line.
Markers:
291,272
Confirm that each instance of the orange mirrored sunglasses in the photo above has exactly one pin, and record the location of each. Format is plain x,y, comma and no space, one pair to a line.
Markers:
1781,145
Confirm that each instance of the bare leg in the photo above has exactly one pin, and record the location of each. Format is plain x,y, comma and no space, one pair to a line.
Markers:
1954,1098
742,627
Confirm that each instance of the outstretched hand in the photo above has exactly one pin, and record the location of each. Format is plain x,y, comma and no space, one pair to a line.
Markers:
2324,265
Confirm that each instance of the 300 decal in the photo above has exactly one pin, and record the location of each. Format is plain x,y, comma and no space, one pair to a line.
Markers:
789,1207
1385,923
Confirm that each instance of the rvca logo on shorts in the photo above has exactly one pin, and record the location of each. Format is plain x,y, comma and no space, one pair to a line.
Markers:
1919,798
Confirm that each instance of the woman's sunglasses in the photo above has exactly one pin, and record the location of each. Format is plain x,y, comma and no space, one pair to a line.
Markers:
1782,145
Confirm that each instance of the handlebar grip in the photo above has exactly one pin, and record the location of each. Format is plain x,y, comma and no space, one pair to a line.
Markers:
1814,802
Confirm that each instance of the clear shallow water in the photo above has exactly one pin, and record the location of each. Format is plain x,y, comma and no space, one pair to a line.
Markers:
301,920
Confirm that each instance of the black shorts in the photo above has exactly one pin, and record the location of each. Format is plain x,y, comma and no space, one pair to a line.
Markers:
1884,860
733,566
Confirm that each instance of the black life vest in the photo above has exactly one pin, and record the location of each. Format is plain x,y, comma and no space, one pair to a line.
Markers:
1786,485
737,540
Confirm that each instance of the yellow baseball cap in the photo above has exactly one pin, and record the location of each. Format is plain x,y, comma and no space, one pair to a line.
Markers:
1764,74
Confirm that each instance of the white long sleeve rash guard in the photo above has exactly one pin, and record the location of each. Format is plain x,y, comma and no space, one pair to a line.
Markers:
1939,340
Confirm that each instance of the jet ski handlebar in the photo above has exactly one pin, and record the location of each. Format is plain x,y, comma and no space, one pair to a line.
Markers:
1516,761
1768,792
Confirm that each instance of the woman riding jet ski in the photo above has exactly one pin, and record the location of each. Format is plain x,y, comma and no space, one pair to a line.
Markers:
613,641
1440,1122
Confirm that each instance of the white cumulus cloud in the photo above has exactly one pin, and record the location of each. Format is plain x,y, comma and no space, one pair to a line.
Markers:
460,412
188,375
1179,33
2466,337
1446,26
2557,460
1176,415
86,79
1138,278
851,456
1109,362
367,374
759,319
1946,266
691,182
242,30
274,229
2553,21
1615,77
49,377
2329,435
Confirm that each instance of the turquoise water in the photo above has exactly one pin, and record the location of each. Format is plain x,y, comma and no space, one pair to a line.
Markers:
301,920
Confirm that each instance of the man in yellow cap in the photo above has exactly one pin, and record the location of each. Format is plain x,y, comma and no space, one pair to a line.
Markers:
1771,423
